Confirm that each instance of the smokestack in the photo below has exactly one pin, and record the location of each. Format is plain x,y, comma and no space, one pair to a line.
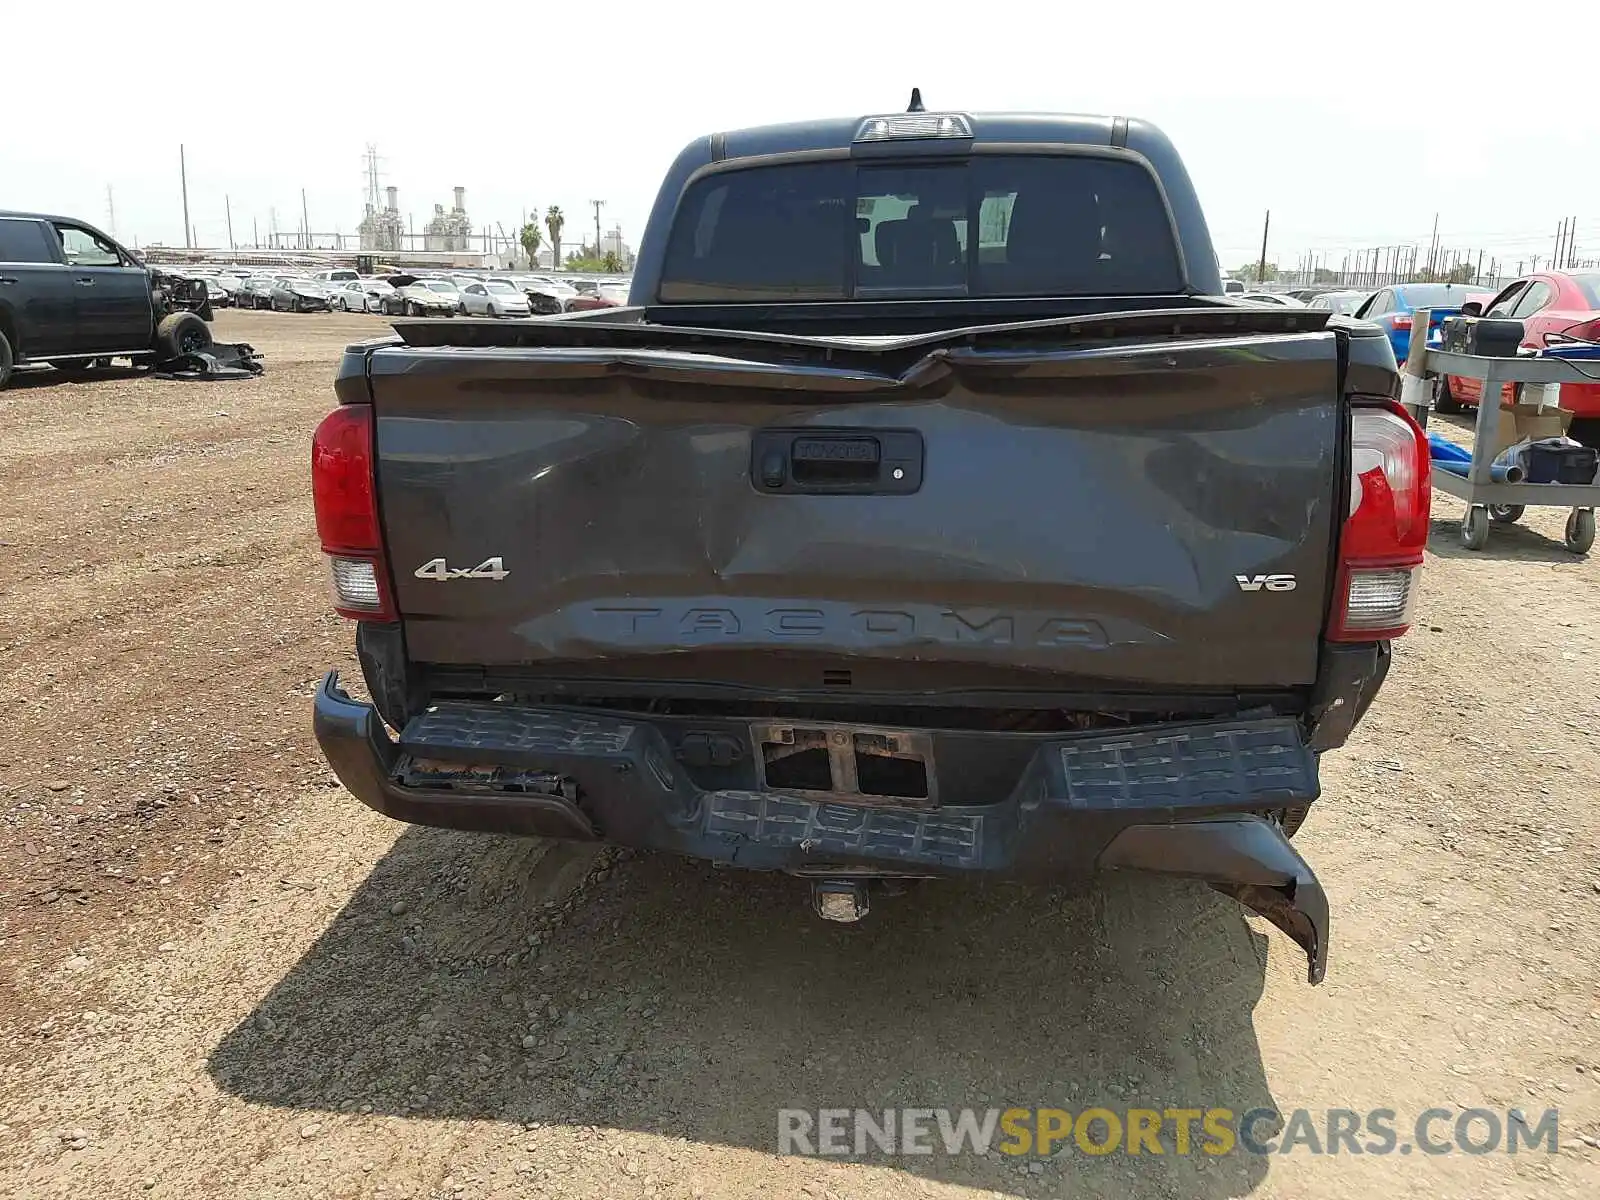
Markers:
461,199
394,198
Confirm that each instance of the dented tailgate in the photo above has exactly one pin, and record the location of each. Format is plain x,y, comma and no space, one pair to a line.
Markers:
1149,514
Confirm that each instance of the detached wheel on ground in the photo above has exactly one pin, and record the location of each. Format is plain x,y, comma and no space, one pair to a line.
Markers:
182,333
1580,530
1475,528
1507,514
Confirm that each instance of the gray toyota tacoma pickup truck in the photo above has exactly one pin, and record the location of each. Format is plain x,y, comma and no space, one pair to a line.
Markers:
928,513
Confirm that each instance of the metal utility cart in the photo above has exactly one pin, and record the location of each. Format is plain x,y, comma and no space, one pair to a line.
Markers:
1487,500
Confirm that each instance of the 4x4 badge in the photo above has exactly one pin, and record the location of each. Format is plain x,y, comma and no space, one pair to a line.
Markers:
436,568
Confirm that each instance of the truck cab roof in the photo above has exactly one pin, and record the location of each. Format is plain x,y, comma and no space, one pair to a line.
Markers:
931,138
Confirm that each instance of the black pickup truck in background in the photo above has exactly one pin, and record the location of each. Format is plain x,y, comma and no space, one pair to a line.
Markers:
72,297
928,513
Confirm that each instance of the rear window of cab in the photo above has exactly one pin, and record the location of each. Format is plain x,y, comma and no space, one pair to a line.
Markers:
1002,225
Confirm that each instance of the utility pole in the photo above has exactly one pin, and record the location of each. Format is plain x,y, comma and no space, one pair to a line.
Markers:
598,204
1572,231
305,218
1433,246
111,211
183,176
255,234
227,207
1261,271
1561,231
1477,272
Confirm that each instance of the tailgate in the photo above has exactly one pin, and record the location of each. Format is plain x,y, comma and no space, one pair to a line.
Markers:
1159,515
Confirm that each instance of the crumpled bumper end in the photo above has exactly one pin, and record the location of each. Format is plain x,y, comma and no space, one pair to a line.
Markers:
1246,857
364,756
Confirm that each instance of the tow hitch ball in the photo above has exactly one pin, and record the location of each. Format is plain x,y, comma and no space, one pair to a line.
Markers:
840,900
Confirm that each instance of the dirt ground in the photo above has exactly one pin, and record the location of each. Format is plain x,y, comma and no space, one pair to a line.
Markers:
220,976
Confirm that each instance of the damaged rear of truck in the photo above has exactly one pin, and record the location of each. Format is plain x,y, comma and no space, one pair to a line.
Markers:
926,514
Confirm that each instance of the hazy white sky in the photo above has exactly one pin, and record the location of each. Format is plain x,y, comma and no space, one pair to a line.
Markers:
1309,111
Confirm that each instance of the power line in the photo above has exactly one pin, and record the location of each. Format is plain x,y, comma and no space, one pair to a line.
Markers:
1524,237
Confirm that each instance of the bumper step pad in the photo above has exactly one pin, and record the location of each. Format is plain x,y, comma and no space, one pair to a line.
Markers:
1216,765
512,736
937,839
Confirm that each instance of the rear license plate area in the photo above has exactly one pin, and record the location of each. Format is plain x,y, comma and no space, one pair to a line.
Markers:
848,764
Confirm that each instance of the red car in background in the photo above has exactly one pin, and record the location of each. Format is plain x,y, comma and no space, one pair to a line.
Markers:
605,295
1555,307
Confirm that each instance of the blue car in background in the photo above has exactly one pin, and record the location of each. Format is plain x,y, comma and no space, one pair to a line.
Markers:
1391,308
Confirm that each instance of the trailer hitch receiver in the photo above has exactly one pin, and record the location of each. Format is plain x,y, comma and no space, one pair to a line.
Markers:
843,900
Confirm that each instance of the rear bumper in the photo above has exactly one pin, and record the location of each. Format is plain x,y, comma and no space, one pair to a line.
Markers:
1180,800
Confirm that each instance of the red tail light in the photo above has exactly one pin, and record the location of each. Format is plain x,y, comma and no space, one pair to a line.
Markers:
1380,549
1589,331
344,491
1400,320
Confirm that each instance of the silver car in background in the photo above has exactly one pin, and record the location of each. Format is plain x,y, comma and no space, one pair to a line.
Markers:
1344,303
424,297
495,298
360,295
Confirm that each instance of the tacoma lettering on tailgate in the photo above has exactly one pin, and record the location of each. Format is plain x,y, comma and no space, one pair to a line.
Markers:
675,625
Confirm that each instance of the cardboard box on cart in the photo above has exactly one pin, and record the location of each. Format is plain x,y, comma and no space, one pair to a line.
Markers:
1537,416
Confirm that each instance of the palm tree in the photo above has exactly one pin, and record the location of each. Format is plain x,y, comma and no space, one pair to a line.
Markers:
530,238
553,221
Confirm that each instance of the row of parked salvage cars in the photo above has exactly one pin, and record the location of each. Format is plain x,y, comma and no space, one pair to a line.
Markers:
404,294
